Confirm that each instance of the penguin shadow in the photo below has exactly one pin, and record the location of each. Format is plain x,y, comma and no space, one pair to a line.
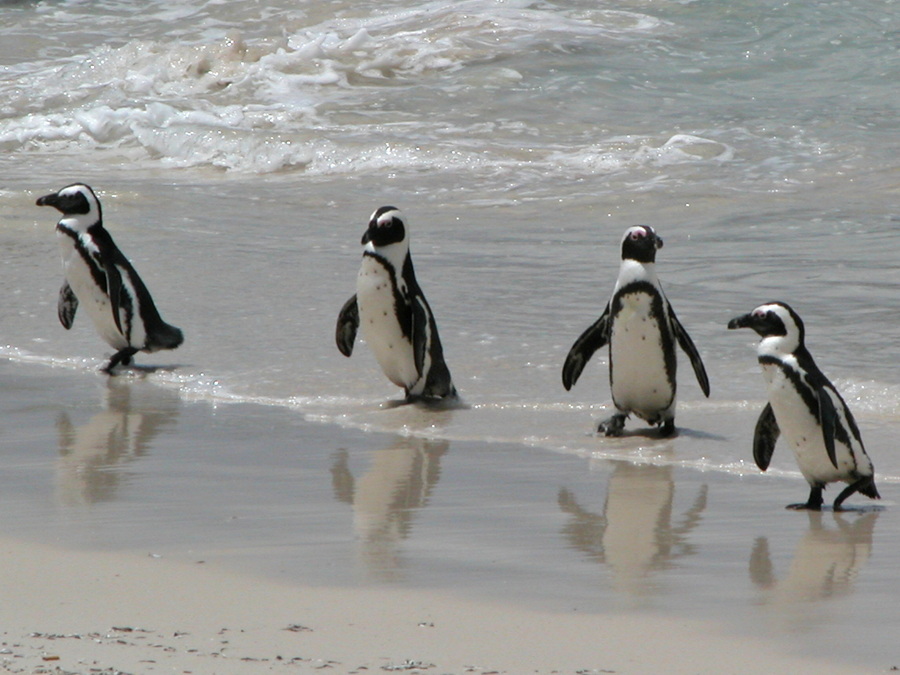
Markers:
656,433
416,417
636,535
825,564
854,508
385,498
645,432
93,456
139,371
700,434
631,438
429,404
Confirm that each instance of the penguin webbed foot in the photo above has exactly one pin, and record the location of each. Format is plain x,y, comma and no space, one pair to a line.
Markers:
865,486
814,503
667,428
435,393
804,506
434,400
613,426
122,357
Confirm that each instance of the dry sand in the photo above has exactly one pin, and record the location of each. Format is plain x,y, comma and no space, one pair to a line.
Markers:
89,612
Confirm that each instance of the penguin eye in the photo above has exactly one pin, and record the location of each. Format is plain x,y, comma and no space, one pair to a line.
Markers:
637,234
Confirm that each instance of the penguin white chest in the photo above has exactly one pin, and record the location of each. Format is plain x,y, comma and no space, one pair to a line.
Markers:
91,298
376,301
800,428
638,376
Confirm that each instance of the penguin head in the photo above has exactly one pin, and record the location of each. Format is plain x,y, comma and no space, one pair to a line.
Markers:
640,243
386,227
76,201
773,320
387,237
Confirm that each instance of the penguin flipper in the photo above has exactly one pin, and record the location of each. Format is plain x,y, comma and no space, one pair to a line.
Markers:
347,325
581,352
691,350
764,437
827,419
67,305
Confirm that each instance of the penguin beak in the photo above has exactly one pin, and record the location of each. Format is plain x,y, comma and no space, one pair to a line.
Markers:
745,321
367,236
48,200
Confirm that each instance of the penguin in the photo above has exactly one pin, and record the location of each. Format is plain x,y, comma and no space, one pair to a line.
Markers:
641,329
396,320
99,277
805,406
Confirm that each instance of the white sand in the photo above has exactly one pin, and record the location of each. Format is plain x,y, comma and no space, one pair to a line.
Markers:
79,612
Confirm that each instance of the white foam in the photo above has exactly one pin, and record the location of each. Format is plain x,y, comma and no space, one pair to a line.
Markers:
263,104
871,399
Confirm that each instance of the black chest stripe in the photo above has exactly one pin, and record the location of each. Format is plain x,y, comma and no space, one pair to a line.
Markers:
402,306
97,273
808,394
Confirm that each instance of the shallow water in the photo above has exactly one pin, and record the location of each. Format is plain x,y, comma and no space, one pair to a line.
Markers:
239,149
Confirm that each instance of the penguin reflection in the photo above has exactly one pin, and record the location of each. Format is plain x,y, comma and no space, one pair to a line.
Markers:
91,455
386,497
826,561
635,535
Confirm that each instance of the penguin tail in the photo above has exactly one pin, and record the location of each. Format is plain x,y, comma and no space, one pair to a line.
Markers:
867,488
164,337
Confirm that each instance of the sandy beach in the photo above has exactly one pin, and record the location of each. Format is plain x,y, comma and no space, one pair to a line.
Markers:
75,612
137,539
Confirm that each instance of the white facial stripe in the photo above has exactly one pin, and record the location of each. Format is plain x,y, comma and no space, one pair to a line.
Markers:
636,232
388,216
762,310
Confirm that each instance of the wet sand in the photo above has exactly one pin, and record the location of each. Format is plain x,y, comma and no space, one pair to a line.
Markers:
142,532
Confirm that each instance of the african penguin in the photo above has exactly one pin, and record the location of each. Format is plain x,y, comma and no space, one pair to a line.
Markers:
641,329
101,279
396,320
805,406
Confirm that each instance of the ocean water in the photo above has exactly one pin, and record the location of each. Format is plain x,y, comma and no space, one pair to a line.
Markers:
239,148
